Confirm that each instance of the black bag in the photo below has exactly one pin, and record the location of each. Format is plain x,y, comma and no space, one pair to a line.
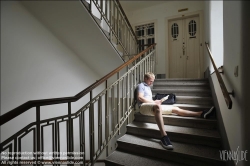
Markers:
170,100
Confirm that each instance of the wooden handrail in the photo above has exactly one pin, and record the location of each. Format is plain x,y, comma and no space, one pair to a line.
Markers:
222,84
36,103
144,45
120,6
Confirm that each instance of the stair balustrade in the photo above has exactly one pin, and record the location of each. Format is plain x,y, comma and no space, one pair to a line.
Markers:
108,110
114,24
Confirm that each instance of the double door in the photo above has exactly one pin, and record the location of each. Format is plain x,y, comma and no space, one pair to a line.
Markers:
184,48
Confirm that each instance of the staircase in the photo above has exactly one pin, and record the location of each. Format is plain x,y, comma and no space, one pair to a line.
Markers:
196,141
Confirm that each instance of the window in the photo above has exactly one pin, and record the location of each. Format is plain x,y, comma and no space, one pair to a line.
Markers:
175,30
145,35
192,28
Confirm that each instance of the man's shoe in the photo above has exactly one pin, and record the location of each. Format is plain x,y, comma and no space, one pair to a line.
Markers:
206,113
165,142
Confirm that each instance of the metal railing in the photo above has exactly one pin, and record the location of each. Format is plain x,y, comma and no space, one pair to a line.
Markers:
115,24
221,82
108,110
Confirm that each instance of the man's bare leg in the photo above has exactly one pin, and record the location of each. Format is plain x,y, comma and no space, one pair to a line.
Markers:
183,112
165,141
159,119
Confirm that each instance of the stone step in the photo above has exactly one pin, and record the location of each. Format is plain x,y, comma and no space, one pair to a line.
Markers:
189,154
195,100
182,80
174,120
176,133
119,158
181,84
184,92
175,86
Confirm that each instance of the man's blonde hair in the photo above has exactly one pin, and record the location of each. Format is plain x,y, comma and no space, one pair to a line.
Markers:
149,75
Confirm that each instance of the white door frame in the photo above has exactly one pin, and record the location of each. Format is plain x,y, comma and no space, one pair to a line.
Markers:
181,16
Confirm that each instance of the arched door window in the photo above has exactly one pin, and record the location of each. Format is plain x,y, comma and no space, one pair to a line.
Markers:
175,30
192,28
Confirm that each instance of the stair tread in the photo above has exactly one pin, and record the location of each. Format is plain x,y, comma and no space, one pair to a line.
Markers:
194,97
182,79
180,117
177,129
128,159
190,97
179,148
182,89
181,84
193,106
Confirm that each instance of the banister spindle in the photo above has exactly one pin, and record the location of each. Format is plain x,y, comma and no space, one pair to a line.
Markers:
113,16
113,108
106,117
91,129
101,6
100,122
70,132
127,96
106,9
38,132
118,103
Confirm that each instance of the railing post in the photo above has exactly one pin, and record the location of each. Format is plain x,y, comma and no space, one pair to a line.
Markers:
82,137
113,15
91,129
38,142
90,6
113,109
127,96
107,118
110,20
117,21
101,6
118,103
118,26
100,122
70,132
106,9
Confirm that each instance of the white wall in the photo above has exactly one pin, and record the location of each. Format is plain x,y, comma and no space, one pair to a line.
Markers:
227,49
71,23
38,63
213,19
158,14
233,37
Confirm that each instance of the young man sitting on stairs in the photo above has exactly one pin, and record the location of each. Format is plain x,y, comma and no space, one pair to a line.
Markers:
153,107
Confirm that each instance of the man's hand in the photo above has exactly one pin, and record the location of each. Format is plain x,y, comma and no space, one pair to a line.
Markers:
158,102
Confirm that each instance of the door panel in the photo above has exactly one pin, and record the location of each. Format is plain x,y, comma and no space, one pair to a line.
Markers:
175,40
184,48
192,47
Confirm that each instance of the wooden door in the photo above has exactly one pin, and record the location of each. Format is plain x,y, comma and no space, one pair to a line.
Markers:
184,48
175,44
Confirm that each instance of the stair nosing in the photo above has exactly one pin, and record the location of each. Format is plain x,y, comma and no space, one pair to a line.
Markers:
180,117
171,151
180,127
